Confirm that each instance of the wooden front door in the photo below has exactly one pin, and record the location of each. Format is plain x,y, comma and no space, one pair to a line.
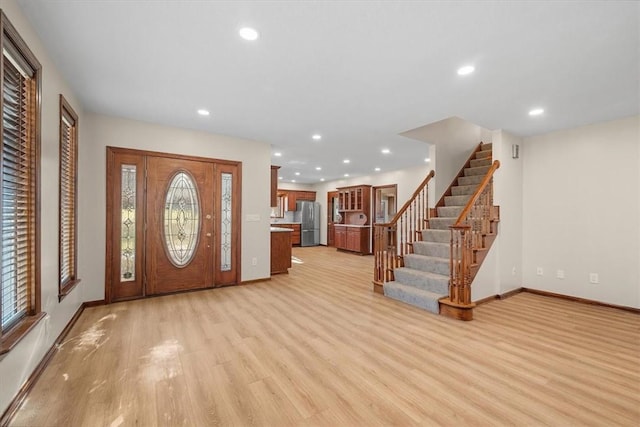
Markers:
179,234
173,223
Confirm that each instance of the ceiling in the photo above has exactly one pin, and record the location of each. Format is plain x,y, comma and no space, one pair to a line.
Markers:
356,72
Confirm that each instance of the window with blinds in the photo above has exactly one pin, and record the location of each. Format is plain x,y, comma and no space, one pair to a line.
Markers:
19,188
68,197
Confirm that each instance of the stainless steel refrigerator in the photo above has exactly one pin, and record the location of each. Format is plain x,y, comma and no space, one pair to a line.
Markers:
308,214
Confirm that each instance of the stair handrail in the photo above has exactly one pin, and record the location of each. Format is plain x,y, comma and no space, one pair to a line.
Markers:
474,222
392,240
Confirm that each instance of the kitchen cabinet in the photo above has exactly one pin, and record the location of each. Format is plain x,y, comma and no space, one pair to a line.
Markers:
353,233
280,250
295,234
293,196
355,198
352,238
340,236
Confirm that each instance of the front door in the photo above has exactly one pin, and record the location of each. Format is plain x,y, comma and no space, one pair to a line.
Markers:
173,223
179,235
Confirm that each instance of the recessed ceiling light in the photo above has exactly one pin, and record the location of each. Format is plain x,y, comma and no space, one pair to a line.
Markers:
427,159
277,154
316,137
322,179
377,169
318,168
346,175
279,177
248,33
467,69
293,180
297,173
346,161
536,112
385,151
203,112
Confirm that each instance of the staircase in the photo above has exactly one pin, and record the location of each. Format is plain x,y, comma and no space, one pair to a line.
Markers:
424,275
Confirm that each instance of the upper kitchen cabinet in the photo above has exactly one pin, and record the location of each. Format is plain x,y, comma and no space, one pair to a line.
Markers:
356,198
274,185
293,196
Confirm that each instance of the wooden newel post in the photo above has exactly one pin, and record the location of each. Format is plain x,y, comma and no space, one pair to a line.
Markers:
459,305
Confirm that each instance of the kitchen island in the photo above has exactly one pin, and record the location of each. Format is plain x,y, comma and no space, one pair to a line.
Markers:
280,250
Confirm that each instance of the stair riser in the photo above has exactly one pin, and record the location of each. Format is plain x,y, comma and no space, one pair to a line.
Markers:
441,223
483,154
476,171
431,265
432,249
480,162
449,211
428,304
437,236
462,190
456,200
470,180
405,276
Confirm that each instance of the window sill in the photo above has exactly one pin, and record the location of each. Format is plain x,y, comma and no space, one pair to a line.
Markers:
67,288
15,335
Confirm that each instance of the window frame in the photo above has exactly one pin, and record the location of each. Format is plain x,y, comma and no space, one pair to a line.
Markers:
10,337
66,286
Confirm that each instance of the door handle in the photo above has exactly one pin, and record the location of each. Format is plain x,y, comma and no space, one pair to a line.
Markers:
208,234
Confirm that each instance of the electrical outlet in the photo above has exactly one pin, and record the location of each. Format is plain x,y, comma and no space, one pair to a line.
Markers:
560,274
254,261
593,278
539,271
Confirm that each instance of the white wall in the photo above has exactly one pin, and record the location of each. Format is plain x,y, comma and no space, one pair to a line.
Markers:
18,364
502,269
103,131
581,211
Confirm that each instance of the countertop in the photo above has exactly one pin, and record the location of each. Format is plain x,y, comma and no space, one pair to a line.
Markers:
280,230
284,223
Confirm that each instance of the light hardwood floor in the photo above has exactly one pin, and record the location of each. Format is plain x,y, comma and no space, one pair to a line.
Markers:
317,347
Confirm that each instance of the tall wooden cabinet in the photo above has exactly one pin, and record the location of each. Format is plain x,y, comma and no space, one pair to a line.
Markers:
353,232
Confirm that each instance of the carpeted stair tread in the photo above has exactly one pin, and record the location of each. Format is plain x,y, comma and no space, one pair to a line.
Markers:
425,280
434,249
428,264
487,146
481,170
414,296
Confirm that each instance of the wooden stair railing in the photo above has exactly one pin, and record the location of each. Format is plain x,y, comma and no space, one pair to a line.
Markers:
392,240
474,230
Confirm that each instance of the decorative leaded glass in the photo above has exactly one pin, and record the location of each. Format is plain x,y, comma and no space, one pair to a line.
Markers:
181,219
225,246
128,224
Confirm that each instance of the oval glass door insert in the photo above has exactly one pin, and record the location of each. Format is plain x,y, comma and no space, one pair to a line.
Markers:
181,219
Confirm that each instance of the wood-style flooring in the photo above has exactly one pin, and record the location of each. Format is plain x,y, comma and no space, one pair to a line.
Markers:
317,347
